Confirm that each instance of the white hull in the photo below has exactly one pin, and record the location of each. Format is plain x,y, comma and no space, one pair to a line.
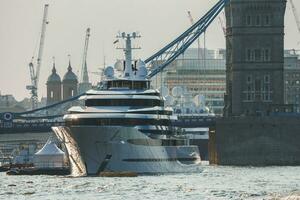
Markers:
115,148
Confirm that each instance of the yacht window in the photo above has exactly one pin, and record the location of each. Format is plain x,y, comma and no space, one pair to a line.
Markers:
136,85
124,102
118,122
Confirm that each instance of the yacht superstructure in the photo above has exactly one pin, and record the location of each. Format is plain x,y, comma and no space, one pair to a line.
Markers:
125,125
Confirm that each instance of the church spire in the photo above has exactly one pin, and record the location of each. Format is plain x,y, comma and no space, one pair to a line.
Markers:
69,67
85,77
53,68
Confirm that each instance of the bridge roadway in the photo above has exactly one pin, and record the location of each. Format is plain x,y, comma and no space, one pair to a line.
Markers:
27,127
45,126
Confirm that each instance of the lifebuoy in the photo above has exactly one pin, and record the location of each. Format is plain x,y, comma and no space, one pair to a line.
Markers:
7,116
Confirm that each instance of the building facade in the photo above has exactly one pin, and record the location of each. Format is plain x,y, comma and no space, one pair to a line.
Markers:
292,79
58,90
199,76
254,67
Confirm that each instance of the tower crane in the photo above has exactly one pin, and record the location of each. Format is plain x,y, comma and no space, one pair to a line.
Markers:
83,77
295,15
35,72
198,40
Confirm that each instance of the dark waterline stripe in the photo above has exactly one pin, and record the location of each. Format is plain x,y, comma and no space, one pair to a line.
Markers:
158,159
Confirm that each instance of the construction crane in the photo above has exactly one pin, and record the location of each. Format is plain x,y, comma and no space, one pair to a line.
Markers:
295,15
84,84
35,72
84,64
198,40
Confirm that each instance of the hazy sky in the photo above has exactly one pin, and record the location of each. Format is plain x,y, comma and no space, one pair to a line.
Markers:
158,21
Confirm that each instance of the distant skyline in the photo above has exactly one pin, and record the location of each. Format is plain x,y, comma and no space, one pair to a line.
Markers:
158,22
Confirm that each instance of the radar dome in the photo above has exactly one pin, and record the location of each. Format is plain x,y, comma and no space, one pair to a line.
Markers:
177,91
199,100
109,72
141,63
142,72
164,91
119,65
204,109
169,100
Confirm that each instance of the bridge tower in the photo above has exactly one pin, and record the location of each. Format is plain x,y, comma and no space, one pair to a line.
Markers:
255,44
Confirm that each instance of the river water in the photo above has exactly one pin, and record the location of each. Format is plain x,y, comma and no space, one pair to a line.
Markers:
215,182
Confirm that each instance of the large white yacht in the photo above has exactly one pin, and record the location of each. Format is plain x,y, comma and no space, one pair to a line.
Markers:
125,126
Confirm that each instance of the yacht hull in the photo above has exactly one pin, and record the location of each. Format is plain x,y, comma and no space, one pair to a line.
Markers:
118,149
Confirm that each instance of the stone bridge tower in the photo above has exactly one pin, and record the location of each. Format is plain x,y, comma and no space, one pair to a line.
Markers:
254,69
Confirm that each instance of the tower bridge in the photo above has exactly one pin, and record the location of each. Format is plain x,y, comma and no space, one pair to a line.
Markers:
253,131
40,119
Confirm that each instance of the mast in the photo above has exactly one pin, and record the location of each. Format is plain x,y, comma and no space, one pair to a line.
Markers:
128,73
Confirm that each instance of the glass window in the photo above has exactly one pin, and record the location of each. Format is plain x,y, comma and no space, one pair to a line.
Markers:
267,79
267,55
267,97
257,20
138,85
248,20
267,20
249,97
267,88
257,54
124,102
118,121
248,55
257,85
249,79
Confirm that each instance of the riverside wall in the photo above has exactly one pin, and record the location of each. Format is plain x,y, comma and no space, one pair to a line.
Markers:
255,141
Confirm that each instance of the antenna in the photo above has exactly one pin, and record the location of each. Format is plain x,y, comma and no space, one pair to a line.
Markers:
128,51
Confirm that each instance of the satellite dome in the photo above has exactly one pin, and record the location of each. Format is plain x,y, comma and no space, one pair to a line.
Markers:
54,77
140,63
177,91
109,72
200,100
70,76
169,100
164,91
142,71
119,65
